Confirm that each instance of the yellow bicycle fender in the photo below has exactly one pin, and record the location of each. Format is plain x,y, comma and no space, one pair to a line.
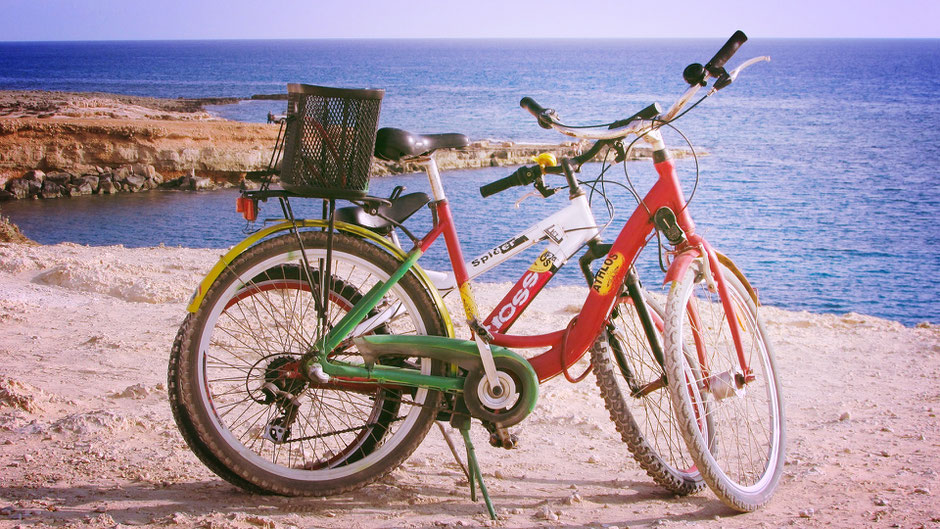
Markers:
200,293
723,259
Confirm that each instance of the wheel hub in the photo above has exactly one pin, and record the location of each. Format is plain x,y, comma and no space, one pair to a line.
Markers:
282,380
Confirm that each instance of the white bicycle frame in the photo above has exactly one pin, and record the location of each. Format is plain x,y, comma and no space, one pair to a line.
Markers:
567,230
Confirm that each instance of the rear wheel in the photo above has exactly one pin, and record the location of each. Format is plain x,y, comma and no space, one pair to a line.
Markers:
633,384
256,419
740,449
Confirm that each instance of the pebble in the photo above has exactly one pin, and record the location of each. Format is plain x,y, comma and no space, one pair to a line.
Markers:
498,474
880,502
807,513
845,416
574,498
922,490
545,513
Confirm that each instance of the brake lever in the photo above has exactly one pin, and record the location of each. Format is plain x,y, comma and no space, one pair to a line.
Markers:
543,189
734,73
728,77
522,199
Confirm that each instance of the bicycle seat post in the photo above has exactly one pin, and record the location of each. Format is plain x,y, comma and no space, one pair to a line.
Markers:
434,177
460,272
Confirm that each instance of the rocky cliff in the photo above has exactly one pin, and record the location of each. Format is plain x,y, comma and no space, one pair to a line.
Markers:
218,148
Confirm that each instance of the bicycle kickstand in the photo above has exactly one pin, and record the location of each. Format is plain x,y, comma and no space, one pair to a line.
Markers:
462,423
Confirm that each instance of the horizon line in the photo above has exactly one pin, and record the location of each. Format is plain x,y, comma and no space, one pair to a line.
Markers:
242,39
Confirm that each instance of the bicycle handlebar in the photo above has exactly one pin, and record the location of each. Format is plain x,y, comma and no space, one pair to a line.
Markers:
643,121
638,123
714,65
545,116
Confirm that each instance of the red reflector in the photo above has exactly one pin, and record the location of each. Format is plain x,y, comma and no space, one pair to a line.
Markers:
247,207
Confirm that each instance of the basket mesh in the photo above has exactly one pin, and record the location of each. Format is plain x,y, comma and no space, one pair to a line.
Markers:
329,141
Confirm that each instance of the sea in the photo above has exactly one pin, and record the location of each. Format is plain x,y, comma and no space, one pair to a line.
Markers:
820,180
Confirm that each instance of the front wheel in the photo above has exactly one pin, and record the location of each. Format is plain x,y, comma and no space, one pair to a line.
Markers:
739,449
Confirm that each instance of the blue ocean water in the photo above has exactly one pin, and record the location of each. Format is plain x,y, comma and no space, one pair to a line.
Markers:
821,178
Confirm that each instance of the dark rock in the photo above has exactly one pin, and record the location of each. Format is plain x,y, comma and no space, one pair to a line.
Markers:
185,182
59,177
51,190
121,173
19,188
35,175
106,186
6,195
35,187
149,184
172,183
90,180
134,182
83,188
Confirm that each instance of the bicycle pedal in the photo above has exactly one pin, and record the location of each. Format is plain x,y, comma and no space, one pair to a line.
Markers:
507,441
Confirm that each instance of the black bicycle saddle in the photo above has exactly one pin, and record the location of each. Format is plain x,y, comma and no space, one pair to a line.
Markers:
395,144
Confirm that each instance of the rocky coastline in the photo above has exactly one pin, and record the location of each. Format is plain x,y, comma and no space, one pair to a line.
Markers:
62,144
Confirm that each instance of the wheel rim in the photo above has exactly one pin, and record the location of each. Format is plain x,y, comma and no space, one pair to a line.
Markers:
746,432
277,316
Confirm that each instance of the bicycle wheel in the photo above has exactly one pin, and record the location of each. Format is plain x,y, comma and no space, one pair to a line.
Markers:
633,384
240,388
185,425
740,449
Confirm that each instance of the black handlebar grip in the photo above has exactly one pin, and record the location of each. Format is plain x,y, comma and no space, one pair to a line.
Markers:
544,115
522,176
726,52
529,104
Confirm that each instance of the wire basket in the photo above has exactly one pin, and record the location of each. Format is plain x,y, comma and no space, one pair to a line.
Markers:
329,140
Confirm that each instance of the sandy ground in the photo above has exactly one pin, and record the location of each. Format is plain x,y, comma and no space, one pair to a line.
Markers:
87,440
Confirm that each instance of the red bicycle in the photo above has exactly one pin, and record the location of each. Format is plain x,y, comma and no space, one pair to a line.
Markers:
318,354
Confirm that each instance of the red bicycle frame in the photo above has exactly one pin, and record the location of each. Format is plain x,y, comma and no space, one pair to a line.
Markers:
568,345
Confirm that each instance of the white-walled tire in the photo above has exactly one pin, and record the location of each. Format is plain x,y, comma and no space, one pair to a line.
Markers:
257,320
740,449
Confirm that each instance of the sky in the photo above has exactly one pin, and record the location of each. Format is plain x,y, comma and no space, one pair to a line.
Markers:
42,20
